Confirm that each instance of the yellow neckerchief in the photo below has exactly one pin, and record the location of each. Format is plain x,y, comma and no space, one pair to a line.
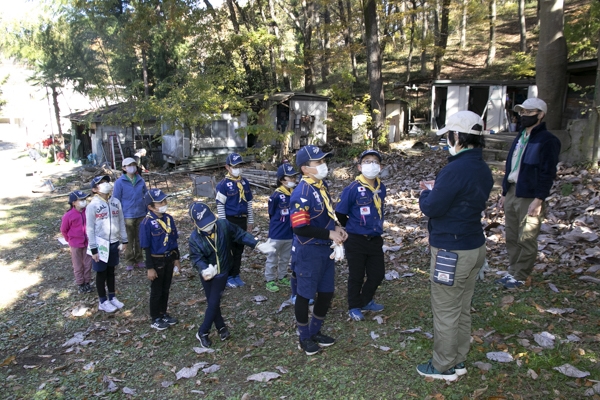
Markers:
166,227
210,239
376,199
238,180
324,195
284,189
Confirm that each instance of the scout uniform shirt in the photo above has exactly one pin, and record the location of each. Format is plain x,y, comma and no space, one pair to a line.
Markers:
363,205
234,194
311,205
158,234
280,227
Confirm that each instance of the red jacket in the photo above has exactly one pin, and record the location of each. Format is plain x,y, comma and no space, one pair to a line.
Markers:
73,228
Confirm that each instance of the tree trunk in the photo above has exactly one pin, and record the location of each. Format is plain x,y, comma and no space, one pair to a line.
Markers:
287,86
145,72
551,61
402,24
236,29
522,26
325,69
441,40
489,61
463,25
345,16
424,42
411,40
309,74
595,120
374,69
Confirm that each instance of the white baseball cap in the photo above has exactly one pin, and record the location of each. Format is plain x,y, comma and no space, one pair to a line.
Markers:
465,122
129,161
533,103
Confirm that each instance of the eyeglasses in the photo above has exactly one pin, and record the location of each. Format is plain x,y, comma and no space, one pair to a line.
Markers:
370,162
528,112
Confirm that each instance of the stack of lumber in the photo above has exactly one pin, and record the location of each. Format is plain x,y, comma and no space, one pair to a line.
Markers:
261,178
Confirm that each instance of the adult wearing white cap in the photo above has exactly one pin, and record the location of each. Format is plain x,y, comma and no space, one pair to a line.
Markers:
530,173
453,203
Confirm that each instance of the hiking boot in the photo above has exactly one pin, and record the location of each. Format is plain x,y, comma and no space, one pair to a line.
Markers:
239,281
159,324
88,288
272,287
429,370
107,306
308,346
460,369
169,320
372,306
356,315
512,283
224,333
82,289
322,340
231,283
504,279
204,340
285,282
115,302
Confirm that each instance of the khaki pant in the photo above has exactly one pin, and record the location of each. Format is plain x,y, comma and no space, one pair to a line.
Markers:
451,306
133,253
521,234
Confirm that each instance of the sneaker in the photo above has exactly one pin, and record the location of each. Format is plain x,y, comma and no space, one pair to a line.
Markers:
512,283
309,347
88,288
82,289
115,302
141,264
311,302
224,333
293,300
429,370
239,281
285,282
129,268
231,283
504,279
272,287
322,340
356,315
460,369
107,306
159,324
372,306
204,340
169,320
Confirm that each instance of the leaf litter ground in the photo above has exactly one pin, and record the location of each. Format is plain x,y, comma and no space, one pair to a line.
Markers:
539,342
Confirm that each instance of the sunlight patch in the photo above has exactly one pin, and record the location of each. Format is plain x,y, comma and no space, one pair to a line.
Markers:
13,279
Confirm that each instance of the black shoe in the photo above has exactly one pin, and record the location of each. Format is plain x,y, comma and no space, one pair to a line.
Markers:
322,340
82,288
159,324
224,333
309,347
204,340
169,320
88,288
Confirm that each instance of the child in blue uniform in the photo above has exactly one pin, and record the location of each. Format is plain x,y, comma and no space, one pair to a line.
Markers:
210,252
313,222
158,239
234,203
360,211
280,229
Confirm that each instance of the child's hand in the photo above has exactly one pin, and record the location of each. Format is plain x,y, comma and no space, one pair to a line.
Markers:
123,247
338,235
426,185
209,272
152,275
250,228
96,257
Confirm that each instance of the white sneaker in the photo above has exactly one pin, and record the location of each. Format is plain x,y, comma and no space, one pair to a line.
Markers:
107,306
115,302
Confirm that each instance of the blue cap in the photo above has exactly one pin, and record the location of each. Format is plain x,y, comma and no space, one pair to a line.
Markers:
154,196
77,195
285,170
234,159
370,152
201,214
99,179
309,153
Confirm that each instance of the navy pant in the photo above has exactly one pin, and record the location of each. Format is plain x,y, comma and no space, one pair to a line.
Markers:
236,248
213,290
365,257
159,288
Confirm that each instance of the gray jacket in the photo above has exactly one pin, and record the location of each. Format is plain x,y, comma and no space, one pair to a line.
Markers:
105,219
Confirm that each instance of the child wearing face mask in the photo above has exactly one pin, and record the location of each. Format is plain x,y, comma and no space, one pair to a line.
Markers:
72,228
360,211
158,238
234,203
280,229
210,253
105,228
130,189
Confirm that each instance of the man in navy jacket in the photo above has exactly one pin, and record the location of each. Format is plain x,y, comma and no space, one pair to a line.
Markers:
530,172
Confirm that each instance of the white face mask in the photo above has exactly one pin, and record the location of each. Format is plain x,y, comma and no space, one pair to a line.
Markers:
208,228
452,149
370,171
105,187
236,172
82,203
321,171
131,169
291,185
163,209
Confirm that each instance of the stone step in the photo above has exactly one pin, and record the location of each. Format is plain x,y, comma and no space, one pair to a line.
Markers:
500,141
494,154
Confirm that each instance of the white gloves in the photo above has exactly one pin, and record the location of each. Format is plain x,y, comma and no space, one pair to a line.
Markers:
266,247
338,252
209,272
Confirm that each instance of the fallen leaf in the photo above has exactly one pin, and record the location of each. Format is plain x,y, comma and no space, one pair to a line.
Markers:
202,350
544,339
190,372
499,356
166,384
263,376
571,371
281,369
374,336
479,392
211,369
127,390
532,374
8,360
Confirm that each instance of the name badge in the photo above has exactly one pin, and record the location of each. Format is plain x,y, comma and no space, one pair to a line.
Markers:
285,211
365,211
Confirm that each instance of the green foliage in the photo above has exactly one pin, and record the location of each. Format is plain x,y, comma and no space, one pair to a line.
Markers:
581,31
524,65
2,82
566,189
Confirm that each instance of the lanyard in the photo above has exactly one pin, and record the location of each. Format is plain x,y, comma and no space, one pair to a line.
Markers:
522,144
214,247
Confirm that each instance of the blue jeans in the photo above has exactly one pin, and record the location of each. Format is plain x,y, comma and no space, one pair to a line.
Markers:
213,290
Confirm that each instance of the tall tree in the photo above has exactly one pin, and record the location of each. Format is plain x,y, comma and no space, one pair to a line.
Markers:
424,39
345,11
491,55
411,39
551,61
374,68
522,26
326,43
441,40
463,24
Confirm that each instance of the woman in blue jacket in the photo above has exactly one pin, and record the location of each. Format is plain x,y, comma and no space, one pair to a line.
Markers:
453,203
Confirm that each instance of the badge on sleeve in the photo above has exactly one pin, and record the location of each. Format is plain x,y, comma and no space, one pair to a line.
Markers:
365,211
360,188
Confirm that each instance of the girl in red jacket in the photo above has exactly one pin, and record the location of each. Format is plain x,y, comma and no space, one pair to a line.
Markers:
73,230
